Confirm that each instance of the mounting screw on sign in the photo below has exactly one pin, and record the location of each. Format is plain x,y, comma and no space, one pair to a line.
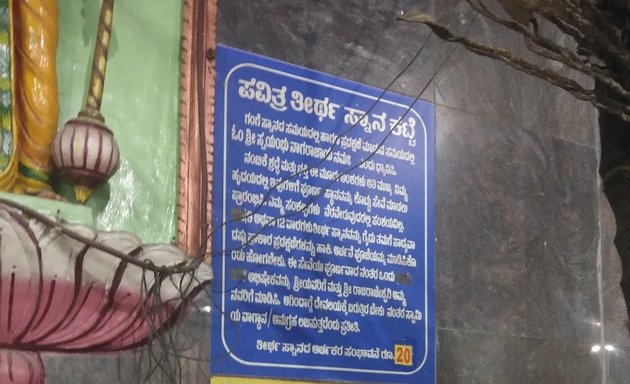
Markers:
403,354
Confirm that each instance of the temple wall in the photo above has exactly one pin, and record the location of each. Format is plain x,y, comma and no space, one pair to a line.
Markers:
526,272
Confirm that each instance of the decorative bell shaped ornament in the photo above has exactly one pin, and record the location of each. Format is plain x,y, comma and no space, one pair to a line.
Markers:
86,154
85,150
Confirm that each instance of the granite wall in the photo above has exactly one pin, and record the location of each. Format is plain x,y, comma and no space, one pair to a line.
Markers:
527,274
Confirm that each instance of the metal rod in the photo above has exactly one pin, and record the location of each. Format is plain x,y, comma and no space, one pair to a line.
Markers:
99,61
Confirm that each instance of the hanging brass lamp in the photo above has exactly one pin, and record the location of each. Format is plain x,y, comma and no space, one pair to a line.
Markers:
85,151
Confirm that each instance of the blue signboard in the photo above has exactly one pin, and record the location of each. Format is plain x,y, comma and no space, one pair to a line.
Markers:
323,227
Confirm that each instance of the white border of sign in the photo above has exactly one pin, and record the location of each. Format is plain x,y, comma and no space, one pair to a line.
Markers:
225,136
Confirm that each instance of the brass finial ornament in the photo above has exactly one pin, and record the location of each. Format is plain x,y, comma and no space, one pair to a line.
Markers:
85,150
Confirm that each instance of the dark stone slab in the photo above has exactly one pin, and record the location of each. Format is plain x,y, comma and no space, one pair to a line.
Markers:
479,358
560,198
618,365
480,260
487,87
562,362
361,40
517,233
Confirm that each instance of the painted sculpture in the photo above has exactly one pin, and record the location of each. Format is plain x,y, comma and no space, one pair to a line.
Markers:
62,289
85,151
29,106
68,287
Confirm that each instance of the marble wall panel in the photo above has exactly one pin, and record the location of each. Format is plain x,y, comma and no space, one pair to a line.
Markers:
480,358
486,87
370,45
618,369
562,240
480,250
550,361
